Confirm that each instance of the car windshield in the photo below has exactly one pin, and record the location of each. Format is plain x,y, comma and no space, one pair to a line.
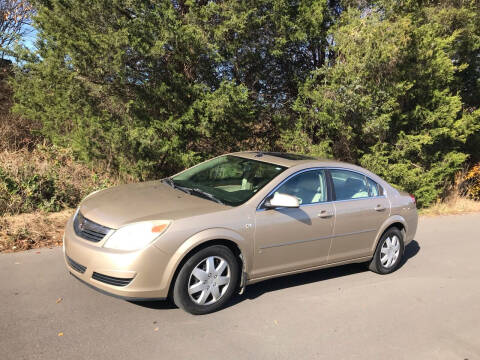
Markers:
228,179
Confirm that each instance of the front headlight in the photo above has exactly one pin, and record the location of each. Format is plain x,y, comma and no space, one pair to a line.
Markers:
137,235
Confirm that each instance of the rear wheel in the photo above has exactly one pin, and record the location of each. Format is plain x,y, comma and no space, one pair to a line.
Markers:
389,252
206,281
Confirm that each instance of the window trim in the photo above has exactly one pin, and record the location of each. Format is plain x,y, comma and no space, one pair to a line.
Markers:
331,196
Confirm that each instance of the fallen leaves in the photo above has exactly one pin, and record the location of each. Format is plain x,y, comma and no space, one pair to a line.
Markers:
60,334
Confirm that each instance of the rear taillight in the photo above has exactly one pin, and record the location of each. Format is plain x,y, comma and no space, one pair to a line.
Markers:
413,198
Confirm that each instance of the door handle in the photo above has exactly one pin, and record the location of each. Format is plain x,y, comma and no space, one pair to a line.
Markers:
325,214
379,208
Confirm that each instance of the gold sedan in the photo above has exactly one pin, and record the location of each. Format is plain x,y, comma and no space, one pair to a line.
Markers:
203,234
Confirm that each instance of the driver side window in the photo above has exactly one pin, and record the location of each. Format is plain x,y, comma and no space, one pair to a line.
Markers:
308,187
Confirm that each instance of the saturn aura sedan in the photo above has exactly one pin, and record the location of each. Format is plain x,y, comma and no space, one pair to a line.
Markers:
202,235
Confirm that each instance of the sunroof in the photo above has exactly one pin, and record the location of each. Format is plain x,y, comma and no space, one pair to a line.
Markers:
288,156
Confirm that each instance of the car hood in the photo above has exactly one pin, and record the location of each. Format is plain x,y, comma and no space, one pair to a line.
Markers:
154,200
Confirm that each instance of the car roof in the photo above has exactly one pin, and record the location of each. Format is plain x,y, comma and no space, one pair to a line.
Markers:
290,159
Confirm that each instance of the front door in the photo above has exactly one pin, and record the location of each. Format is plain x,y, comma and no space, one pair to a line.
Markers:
288,239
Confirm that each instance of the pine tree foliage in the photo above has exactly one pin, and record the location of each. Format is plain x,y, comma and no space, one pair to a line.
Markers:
150,87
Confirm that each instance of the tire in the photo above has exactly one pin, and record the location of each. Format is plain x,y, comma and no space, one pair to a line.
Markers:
207,280
388,255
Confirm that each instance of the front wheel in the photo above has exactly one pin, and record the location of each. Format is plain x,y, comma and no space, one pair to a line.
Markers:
389,252
206,281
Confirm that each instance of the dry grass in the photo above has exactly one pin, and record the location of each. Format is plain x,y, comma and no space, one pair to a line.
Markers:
46,178
17,133
456,205
33,230
455,201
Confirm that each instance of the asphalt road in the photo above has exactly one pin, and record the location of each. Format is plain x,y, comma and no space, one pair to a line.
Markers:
428,309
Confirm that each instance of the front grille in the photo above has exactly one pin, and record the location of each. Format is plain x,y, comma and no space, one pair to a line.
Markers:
80,268
89,230
111,280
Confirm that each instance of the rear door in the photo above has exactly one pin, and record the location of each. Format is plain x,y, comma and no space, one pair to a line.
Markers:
360,210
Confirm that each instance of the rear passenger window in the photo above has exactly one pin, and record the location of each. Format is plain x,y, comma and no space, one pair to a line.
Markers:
351,185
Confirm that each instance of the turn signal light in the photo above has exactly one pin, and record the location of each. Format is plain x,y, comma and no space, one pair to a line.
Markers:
159,228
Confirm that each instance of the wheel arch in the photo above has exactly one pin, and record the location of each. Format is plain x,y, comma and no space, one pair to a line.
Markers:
232,240
394,221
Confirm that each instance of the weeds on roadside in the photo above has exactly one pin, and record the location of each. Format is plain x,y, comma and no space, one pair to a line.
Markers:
46,179
34,230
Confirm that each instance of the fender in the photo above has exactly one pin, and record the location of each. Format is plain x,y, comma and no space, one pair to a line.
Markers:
200,238
391,220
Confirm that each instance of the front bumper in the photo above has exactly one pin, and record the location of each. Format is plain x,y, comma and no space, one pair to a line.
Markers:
132,275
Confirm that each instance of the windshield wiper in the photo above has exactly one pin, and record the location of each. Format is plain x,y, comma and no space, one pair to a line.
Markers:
171,183
205,194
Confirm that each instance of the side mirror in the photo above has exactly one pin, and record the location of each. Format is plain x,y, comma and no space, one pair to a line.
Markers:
282,200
